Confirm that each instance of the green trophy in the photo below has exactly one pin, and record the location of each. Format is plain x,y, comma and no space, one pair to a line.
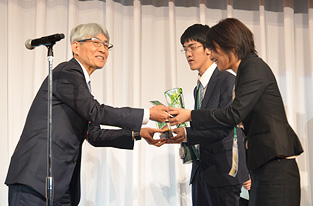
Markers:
175,99
162,125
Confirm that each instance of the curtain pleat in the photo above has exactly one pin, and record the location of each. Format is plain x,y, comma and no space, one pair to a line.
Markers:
144,63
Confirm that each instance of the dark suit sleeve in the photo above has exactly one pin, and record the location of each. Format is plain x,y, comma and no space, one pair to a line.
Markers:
70,87
221,100
251,82
205,136
118,138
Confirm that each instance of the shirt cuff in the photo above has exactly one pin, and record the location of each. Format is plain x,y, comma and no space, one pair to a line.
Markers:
146,116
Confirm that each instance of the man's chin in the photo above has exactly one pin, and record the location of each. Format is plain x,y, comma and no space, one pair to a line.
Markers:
222,68
193,68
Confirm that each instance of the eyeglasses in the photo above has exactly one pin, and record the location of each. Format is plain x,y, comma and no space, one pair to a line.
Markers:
98,43
190,49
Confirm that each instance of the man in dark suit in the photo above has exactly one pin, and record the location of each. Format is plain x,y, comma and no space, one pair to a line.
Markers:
272,143
210,179
76,115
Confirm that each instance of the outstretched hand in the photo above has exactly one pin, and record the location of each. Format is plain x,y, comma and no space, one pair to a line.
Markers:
159,113
147,133
180,115
180,136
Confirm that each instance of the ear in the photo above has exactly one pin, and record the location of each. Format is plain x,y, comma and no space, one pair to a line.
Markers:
75,47
207,51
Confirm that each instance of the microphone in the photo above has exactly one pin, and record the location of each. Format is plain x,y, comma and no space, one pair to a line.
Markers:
46,41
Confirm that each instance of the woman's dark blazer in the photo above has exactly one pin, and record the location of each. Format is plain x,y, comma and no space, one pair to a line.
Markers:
258,104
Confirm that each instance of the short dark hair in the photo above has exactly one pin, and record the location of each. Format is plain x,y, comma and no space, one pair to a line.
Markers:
196,32
229,34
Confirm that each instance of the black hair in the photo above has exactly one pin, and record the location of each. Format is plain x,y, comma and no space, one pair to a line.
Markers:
231,34
196,32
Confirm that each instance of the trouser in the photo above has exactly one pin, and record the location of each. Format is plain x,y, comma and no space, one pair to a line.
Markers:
205,195
22,195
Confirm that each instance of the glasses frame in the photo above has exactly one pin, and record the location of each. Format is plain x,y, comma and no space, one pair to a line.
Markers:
106,45
190,49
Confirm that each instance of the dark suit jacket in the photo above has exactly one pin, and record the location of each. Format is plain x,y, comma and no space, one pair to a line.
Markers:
73,107
258,104
216,145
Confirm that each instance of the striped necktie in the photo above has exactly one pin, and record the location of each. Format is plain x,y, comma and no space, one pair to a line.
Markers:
89,86
200,95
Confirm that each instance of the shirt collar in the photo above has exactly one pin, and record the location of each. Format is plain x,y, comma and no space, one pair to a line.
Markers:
206,76
87,77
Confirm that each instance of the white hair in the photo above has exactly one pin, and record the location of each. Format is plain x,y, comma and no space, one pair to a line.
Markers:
88,30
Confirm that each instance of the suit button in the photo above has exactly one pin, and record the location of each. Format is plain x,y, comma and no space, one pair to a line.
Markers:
74,161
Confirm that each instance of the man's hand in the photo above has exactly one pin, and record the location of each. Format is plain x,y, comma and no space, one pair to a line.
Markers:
179,138
247,184
147,133
159,113
181,115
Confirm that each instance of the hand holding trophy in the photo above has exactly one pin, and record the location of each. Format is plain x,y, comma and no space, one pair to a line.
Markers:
147,133
175,99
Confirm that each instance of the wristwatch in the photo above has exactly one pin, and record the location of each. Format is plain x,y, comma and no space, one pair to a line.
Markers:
182,152
136,135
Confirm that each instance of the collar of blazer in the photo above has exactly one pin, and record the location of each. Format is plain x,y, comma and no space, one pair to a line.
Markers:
210,87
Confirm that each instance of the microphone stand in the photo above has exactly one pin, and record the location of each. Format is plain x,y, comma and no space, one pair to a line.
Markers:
49,178
48,41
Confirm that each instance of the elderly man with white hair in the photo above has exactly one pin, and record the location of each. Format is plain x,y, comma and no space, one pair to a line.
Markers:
77,116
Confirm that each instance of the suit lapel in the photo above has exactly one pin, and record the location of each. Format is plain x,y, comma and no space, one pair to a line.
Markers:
210,88
195,94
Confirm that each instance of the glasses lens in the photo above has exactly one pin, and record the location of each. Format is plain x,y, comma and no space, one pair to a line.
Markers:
96,42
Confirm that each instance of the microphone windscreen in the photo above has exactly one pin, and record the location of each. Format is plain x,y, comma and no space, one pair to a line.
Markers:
28,44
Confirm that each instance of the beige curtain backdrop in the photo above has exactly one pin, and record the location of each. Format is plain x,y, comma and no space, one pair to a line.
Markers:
144,62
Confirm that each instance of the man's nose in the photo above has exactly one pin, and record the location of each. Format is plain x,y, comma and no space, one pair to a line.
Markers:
103,49
188,53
